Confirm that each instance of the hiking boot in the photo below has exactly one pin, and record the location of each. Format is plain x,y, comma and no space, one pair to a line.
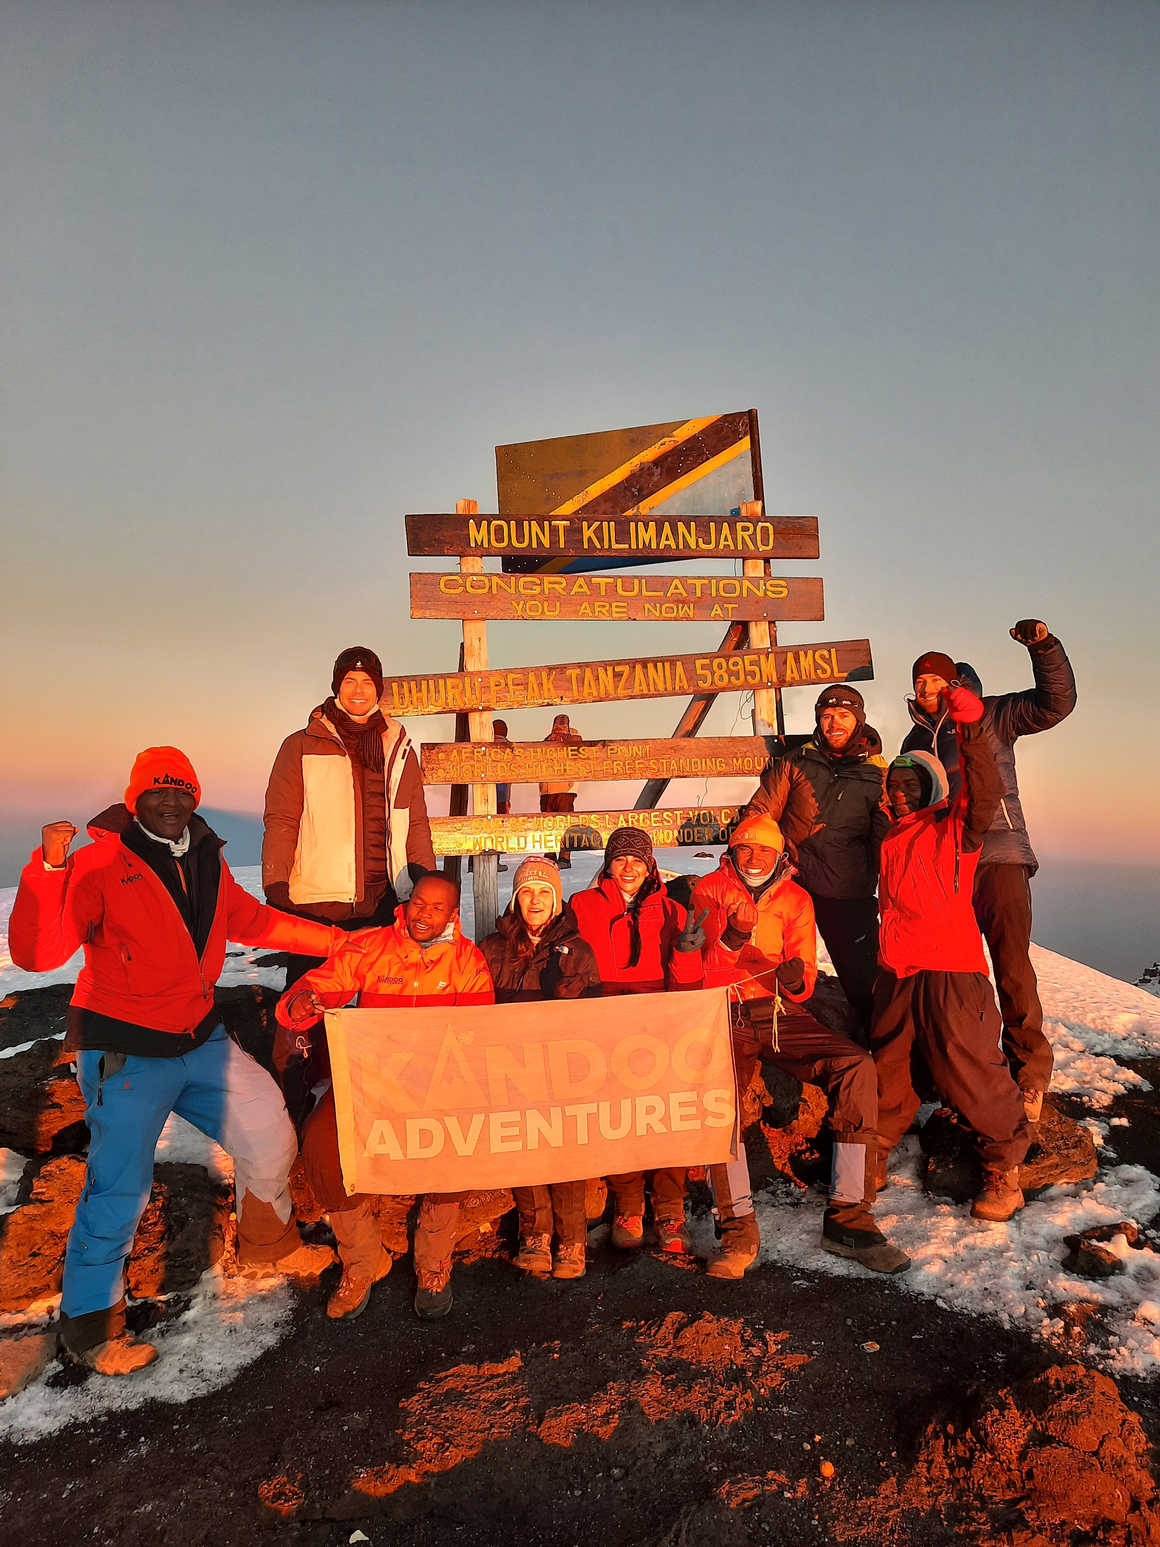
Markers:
672,1236
1032,1106
570,1261
535,1254
121,1355
1000,1196
351,1297
849,1230
737,1249
628,1232
305,1264
433,1297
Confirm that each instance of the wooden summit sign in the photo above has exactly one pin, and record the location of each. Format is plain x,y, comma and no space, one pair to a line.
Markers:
524,762
669,827
617,598
631,538
651,676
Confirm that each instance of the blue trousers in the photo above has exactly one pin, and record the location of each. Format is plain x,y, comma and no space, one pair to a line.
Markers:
221,1091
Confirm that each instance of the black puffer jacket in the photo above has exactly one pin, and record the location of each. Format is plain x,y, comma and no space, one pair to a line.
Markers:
839,857
561,965
1006,717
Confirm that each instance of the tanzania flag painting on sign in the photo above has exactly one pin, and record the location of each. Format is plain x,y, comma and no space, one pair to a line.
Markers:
695,467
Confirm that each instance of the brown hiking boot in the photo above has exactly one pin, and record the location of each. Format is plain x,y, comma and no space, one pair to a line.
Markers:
737,1249
1032,1106
535,1254
351,1297
433,1297
122,1355
1000,1197
305,1264
849,1230
672,1236
628,1231
570,1261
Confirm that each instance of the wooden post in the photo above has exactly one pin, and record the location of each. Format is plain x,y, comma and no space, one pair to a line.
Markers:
457,801
768,716
485,870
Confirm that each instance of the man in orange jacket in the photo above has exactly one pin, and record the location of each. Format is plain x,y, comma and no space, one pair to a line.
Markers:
760,935
423,958
152,902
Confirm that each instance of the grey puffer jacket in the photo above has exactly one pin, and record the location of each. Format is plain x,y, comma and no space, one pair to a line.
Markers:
1006,717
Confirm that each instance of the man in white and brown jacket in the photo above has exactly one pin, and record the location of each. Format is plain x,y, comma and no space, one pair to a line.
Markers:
346,821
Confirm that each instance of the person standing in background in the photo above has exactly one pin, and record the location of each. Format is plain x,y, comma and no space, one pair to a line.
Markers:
559,794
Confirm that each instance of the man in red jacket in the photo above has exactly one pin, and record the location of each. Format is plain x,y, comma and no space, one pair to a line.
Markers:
644,944
424,958
760,936
152,902
933,992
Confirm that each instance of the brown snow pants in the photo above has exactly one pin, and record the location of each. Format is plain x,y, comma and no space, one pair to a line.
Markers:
952,1021
560,1205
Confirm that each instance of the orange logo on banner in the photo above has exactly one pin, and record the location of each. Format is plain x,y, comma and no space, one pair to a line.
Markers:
444,1099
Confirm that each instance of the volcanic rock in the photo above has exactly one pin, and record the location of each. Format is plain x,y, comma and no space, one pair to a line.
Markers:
42,1111
32,1237
1063,1151
182,1231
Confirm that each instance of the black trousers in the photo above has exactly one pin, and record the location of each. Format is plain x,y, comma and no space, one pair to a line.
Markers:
1002,899
952,1020
849,926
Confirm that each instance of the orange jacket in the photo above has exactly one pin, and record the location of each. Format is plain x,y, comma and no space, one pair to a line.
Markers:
141,964
387,969
785,928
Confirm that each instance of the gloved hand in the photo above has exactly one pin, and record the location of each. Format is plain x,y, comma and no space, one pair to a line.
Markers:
963,706
692,937
1030,631
290,1048
741,922
278,896
791,975
305,1008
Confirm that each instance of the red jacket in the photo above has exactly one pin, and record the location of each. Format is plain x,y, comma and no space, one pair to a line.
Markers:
389,970
605,923
141,964
785,928
927,873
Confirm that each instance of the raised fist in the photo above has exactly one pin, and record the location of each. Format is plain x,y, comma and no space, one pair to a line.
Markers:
55,839
963,706
741,921
1029,631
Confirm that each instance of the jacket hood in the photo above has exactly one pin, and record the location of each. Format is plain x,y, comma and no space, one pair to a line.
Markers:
935,772
969,677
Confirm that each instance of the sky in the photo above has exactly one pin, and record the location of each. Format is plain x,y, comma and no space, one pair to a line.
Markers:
276,274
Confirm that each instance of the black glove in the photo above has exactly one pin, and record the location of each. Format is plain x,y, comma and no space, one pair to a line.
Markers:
1030,631
692,937
791,975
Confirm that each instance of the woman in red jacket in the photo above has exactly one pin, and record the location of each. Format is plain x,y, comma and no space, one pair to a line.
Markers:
645,943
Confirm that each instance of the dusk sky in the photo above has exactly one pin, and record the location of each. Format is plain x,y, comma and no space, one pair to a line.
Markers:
275,274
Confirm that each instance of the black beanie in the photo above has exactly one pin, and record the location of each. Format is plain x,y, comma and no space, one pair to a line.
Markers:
628,841
842,696
358,658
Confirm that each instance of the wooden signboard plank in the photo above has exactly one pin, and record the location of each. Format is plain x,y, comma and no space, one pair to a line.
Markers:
617,598
653,676
669,827
528,762
626,537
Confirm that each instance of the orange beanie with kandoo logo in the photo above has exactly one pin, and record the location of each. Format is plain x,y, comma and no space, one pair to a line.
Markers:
759,828
161,768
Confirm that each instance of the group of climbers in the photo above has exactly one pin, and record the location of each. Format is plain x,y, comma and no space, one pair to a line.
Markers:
898,868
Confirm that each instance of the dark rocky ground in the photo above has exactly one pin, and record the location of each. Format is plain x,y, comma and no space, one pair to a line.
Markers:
645,1404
